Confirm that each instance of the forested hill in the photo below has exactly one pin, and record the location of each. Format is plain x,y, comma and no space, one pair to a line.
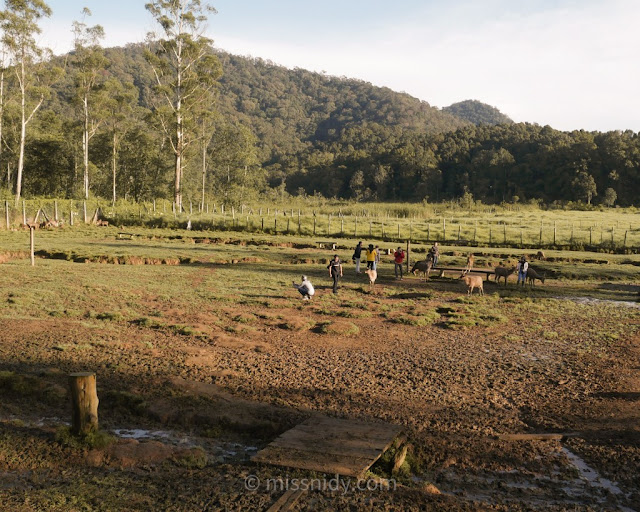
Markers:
279,131
290,109
477,113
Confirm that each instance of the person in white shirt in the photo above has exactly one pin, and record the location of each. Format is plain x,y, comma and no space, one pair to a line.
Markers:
305,288
523,266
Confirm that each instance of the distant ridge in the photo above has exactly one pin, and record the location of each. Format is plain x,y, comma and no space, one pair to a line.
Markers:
477,113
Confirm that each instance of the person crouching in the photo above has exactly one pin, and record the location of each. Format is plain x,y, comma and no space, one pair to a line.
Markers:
305,288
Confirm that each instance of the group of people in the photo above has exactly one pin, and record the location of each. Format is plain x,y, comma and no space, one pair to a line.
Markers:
372,259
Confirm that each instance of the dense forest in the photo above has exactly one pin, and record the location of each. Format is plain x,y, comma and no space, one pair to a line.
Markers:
269,131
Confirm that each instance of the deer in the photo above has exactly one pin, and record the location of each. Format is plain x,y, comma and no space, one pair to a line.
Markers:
472,282
423,266
373,275
469,262
499,272
532,275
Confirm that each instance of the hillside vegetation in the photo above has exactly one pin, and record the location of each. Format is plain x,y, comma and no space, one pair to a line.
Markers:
277,132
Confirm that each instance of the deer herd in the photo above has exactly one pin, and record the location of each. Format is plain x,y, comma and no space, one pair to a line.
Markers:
475,281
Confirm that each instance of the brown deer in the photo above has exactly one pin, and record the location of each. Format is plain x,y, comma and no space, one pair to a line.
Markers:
499,272
472,282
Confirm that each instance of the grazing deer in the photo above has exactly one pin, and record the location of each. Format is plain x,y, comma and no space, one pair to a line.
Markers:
532,275
373,275
499,272
472,282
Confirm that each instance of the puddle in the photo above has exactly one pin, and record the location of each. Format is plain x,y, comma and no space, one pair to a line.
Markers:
592,301
589,474
222,451
141,434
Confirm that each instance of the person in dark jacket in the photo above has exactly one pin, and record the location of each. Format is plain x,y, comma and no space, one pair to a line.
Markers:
357,253
335,271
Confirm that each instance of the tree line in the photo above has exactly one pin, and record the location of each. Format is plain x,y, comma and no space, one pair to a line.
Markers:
175,117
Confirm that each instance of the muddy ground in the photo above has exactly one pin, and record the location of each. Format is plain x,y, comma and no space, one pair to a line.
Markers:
187,411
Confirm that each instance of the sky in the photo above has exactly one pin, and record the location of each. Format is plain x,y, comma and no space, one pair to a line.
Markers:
570,64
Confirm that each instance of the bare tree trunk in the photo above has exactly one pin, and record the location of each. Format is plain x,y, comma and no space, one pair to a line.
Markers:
113,165
204,166
85,147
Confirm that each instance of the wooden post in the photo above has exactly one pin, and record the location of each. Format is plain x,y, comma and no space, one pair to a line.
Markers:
398,231
6,214
154,206
341,226
32,244
55,210
490,234
262,225
428,232
298,221
70,213
233,212
84,212
444,229
590,235
288,219
612,231
24,214
540,233
408,252
84,401
520,236
314,226
275,225
624,244
554,232
459,231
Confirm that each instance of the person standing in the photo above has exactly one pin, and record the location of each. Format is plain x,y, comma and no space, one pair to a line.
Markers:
398,259
335,271
371,257
377,258
357,253
435,252
523,266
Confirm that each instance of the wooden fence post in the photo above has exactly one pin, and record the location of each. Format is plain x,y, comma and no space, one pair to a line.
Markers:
84,212
84,401
32,244
55,210
408,253
554,232
444,229
6,214
70,213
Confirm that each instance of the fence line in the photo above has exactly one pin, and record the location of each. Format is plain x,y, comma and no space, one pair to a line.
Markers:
445,229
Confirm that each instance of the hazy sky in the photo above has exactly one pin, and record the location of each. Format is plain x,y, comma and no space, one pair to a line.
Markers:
570,64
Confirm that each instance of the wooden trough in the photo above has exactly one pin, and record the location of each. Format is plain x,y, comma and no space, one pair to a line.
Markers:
330,445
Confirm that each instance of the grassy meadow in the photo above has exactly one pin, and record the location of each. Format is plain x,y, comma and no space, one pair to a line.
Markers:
603,229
